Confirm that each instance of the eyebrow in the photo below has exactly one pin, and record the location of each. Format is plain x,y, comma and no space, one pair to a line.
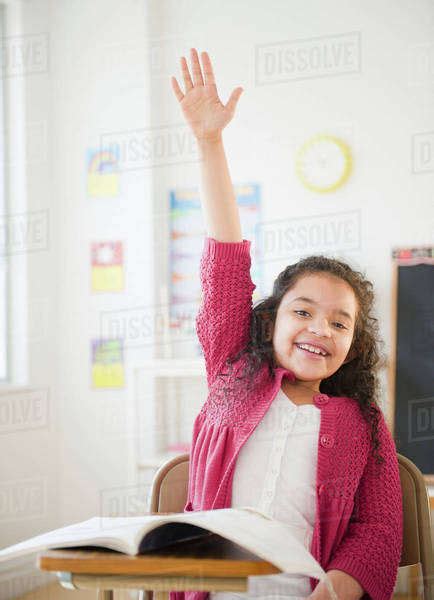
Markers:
310,301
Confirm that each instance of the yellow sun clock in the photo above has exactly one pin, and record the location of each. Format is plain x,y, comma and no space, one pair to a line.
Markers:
323,163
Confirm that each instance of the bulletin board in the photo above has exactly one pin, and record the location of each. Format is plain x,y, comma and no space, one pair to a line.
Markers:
411,369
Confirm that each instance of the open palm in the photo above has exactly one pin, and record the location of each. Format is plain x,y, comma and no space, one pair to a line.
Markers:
202,108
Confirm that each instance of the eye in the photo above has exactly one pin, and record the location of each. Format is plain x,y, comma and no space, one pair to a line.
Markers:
304,311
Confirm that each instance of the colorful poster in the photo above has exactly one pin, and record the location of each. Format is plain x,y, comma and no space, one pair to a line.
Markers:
107,363
102,172
187,234
107,267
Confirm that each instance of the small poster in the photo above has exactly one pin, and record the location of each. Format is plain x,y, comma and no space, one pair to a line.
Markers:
107,363
107,267
414,254
103,173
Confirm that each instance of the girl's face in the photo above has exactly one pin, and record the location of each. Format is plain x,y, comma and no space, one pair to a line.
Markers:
319,310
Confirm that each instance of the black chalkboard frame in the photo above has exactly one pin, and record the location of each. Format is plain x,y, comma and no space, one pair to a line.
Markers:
407,258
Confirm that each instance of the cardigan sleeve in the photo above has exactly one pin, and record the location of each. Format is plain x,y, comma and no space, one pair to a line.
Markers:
223,319
370,550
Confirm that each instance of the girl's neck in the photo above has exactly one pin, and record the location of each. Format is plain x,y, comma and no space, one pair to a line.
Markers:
296,395
300,388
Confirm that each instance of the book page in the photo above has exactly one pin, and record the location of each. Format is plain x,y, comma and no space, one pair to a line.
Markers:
115,533
268,538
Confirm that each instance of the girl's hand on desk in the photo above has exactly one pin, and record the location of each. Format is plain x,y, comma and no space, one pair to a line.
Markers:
345,586
202,108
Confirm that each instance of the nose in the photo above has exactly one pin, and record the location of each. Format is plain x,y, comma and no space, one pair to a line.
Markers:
320,327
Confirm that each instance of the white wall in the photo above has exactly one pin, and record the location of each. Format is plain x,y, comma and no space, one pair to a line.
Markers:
88,43
100,79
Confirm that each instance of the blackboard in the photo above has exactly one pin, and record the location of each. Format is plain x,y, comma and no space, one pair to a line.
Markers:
413,364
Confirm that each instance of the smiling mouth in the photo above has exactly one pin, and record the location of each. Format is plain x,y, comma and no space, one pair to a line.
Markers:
314,354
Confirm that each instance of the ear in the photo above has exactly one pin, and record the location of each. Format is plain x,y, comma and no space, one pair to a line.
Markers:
267,326
352,353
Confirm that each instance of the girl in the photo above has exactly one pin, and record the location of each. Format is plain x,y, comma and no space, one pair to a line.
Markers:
291,424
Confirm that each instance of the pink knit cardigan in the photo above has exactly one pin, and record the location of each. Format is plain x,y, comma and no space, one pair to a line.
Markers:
359,519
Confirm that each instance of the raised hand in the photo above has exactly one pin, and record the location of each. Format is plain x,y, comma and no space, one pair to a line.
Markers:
202,108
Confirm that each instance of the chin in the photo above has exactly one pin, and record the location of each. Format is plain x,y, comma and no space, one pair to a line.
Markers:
309,373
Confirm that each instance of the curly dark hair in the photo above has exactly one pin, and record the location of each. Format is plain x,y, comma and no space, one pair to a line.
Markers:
357,378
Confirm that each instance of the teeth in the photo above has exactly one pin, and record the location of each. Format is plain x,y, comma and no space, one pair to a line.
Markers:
311,349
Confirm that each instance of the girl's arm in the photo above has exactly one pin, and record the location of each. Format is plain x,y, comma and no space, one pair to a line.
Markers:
219,202
223,320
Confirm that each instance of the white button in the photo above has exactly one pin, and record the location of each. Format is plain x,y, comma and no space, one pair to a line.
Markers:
274,471
269,493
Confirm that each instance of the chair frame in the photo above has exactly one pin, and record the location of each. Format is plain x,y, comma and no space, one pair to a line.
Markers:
417,538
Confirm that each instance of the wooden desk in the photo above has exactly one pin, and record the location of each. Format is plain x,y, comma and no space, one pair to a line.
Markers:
211,564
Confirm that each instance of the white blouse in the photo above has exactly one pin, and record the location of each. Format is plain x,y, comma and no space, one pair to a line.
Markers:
276,472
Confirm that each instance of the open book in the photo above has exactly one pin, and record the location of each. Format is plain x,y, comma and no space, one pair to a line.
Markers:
267,538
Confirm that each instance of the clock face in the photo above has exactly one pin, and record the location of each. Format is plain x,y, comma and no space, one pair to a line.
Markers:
323,163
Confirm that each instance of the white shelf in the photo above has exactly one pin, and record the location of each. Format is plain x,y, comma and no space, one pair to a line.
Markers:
168,395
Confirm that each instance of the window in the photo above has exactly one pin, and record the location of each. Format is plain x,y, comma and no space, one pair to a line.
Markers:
3,242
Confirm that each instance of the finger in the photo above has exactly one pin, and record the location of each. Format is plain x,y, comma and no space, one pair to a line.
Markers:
177,89
197,73
207,69
232,102
186,74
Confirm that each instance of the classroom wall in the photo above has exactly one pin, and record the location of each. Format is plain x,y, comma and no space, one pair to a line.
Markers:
99,86
101,79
